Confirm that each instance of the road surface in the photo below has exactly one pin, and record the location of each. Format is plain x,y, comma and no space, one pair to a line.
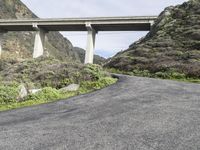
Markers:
133,114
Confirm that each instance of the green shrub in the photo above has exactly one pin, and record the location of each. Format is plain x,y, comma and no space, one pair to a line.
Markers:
8,93
143,73
163,75
177,75
103,82
47,94
107,81
95,72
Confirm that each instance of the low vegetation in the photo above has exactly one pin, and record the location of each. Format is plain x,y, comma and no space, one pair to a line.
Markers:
49,75
171,74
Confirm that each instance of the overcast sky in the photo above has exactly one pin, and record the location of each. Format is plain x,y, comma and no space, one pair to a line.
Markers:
107,43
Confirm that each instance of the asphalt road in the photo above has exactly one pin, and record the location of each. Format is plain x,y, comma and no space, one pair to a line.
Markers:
133,114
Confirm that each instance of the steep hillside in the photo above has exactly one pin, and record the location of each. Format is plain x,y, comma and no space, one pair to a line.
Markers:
20,44
172,45
97,59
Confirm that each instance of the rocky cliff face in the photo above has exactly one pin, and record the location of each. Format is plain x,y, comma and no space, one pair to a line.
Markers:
20,44
172,44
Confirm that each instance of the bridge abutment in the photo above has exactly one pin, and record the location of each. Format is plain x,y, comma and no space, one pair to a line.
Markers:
89,53
39,42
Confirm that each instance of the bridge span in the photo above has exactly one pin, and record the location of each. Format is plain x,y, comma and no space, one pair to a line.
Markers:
91,25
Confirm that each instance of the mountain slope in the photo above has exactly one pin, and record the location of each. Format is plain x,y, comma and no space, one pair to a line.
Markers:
173,44
97,59
20,44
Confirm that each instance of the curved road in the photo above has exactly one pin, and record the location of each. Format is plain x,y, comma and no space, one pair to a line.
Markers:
133,114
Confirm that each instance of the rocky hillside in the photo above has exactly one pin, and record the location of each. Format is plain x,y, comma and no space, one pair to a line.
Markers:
47,72
97,59
20,44
46,79
173,44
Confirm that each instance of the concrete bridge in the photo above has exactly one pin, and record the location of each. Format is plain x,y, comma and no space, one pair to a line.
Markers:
91,25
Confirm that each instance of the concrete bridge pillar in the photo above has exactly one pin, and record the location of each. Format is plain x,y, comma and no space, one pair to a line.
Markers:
1,39
89,54
39,42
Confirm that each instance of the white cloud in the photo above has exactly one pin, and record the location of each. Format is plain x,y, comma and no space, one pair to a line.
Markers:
109,44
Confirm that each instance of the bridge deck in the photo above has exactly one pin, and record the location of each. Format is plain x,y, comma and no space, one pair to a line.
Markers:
131,23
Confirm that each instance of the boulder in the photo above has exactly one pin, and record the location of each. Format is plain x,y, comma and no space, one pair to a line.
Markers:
34,91
22,92
71,88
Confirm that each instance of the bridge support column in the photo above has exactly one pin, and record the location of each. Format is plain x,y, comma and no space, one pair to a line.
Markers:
1,39
39,42
89,54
